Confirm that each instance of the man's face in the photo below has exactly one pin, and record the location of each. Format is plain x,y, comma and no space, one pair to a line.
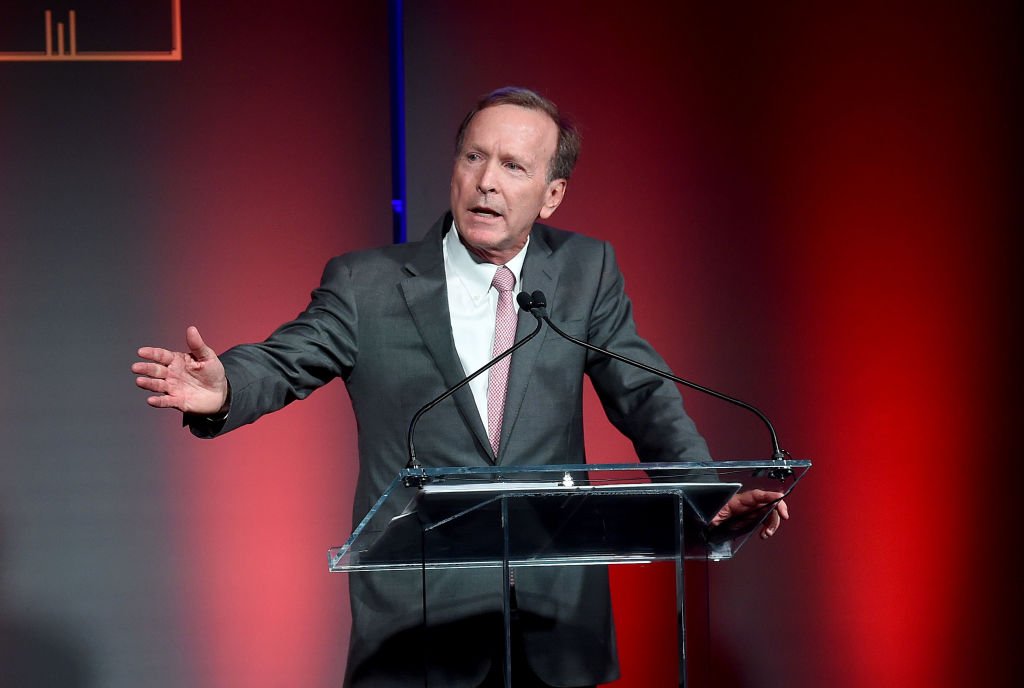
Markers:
499,181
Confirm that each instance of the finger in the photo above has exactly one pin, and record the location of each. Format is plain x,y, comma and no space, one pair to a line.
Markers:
163,401
154,370
758,496
151,384
196,346
161,356
783,510
771,525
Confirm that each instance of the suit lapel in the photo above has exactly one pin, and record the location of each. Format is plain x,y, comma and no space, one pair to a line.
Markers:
426,297
539,273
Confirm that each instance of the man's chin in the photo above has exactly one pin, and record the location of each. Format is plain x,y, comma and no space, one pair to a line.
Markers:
489,246
484,235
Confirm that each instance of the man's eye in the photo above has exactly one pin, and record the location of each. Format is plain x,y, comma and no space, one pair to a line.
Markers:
514,166
472,157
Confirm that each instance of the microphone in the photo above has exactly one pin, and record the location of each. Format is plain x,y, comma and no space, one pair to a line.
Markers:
529,302
413,463
536,303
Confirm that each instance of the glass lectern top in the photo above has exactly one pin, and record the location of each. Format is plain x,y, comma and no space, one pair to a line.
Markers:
578,514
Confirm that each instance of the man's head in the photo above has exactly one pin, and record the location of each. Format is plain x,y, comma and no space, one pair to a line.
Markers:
568,149
514,154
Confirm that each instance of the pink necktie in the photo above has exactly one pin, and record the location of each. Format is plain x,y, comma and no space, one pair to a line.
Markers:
504,336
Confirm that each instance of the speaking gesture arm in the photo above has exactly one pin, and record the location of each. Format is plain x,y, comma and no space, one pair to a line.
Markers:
192,381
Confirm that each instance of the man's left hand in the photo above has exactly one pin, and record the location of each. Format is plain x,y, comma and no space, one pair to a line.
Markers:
749,505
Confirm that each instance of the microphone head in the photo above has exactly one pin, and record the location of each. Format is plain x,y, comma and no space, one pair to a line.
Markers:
525,301
538,299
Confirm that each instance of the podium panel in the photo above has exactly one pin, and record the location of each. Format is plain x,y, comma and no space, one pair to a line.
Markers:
508,518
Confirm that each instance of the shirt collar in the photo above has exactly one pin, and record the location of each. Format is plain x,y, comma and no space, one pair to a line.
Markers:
475,275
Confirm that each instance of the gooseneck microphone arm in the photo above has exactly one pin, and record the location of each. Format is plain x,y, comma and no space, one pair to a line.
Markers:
536,303
413,461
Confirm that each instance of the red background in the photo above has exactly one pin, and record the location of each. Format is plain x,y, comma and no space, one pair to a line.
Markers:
812,208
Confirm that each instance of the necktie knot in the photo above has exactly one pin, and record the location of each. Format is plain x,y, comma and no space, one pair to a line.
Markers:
503,280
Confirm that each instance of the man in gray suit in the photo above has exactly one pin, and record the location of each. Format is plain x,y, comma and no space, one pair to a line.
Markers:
402,323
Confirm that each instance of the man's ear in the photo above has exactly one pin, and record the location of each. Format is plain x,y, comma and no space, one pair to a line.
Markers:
553,197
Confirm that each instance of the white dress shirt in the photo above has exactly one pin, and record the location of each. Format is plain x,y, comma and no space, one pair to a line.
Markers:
472,304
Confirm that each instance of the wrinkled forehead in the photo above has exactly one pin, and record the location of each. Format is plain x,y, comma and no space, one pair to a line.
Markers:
513,128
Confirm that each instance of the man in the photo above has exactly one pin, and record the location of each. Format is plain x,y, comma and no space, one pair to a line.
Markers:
402,323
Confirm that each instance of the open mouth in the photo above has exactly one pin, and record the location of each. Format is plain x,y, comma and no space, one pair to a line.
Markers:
485,212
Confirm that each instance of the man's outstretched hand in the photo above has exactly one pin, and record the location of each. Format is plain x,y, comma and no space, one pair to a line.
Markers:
745,508
192,382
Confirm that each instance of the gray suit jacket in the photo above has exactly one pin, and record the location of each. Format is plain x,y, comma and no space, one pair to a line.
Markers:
380,321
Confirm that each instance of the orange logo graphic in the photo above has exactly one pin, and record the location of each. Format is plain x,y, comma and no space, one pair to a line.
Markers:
60,42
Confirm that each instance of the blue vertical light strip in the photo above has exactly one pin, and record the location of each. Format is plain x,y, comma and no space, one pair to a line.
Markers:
396,74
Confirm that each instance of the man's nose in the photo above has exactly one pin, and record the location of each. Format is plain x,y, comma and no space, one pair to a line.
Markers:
487,181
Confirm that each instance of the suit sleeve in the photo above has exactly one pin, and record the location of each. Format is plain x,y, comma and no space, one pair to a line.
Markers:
299,357
645,408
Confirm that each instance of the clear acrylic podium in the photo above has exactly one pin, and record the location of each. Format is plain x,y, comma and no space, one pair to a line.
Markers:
505,517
